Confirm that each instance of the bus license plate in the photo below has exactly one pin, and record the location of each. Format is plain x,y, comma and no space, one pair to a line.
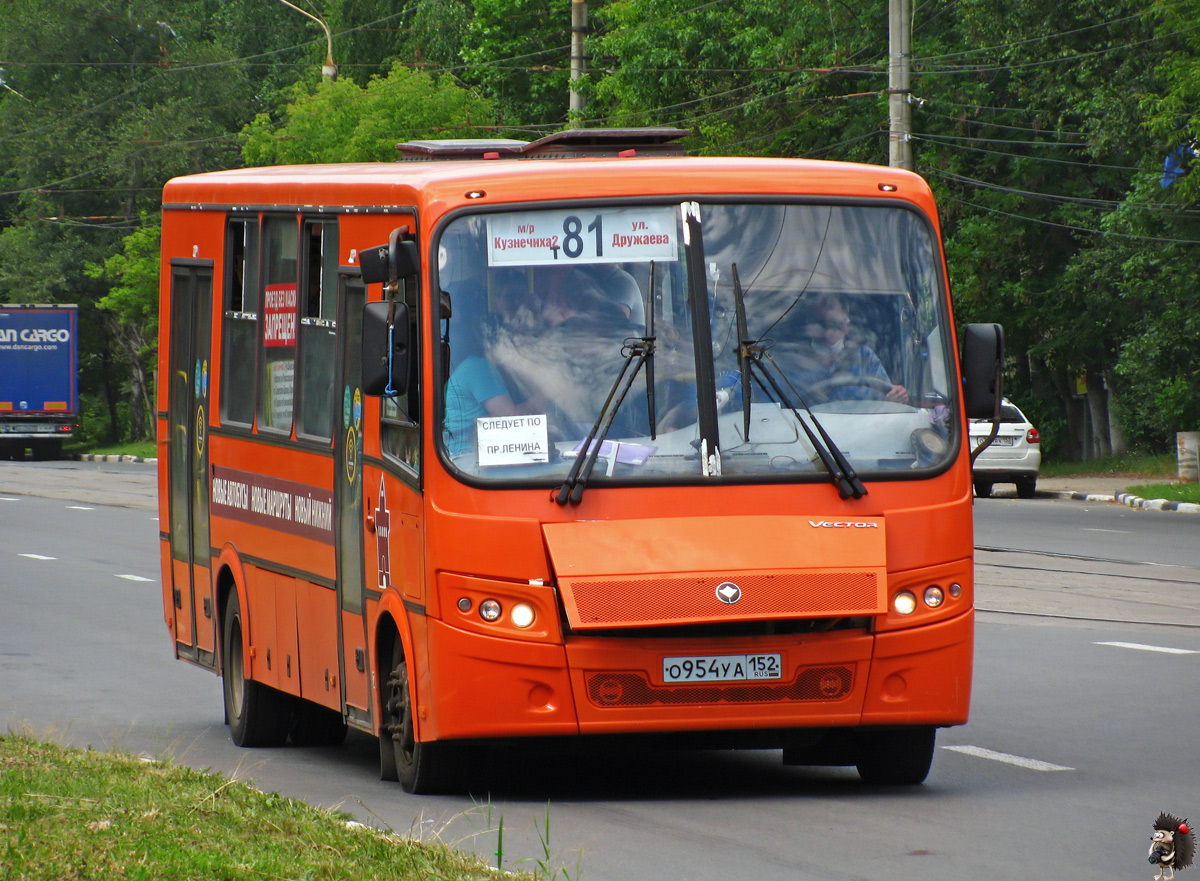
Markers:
722,668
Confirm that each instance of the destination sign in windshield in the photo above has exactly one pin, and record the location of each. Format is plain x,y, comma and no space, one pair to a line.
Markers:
585,235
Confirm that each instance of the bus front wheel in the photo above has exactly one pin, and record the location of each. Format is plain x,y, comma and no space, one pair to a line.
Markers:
420,767
257,714
896,756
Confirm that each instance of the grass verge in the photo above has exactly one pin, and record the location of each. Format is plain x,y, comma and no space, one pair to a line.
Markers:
1130,465
144,449
68,814
1172,492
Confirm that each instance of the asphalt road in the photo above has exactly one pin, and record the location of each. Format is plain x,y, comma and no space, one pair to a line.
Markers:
1081,731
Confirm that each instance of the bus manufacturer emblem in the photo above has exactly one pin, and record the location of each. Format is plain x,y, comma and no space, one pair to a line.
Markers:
728,593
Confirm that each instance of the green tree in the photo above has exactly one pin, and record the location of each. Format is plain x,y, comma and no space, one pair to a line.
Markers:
342,122
130,312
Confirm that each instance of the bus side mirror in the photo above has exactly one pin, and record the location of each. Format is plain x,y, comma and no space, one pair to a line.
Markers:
385,352
982,369
399,258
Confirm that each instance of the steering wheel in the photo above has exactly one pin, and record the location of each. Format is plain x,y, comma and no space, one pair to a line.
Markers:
823,387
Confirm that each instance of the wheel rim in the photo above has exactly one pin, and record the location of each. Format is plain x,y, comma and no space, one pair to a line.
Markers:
400,720
236,668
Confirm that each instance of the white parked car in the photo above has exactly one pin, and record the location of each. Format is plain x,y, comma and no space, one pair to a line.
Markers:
1013,457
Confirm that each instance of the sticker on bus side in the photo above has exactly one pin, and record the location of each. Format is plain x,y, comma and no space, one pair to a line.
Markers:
584,235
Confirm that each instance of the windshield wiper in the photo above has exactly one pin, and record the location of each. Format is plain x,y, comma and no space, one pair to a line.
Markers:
848,482
638,351
750,355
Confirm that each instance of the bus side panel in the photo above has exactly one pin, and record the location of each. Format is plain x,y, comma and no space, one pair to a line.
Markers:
168,590
922,676
287,639
316,618
258,603
206,618
356,682
183,610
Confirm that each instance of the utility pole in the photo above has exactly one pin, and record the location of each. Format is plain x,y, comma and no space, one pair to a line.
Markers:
899,83
578,59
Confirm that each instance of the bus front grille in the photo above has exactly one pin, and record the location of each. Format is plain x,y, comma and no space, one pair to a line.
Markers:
694,599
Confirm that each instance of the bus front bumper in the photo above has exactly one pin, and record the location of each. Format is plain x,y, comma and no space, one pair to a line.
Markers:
484,687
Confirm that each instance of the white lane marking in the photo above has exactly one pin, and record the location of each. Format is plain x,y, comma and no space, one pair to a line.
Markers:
1150,648
79,508
37,556
133,578
1116,531
8,499
1031,764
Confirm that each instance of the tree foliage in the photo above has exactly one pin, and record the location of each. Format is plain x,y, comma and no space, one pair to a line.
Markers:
340,122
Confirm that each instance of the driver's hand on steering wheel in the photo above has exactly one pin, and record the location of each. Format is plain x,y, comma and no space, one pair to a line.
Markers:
898,394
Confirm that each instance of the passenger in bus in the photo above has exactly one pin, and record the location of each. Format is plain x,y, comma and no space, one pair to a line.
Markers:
476,388
832,362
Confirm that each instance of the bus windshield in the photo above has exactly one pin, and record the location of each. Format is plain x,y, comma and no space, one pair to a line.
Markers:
718,340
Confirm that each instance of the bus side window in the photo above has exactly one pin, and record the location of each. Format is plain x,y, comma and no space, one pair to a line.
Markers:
280,296
318,330
239,343
401,415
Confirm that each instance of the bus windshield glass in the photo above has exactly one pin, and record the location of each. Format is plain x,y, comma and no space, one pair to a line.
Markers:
729,341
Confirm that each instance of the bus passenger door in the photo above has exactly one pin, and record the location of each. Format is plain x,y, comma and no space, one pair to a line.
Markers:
348,505
187,411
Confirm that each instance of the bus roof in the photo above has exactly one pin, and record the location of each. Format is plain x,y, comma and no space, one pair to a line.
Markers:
444,184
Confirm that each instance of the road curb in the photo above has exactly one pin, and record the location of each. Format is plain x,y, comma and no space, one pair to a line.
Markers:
1129,500
104,457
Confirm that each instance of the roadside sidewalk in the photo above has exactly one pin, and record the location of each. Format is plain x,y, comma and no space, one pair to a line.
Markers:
1110,489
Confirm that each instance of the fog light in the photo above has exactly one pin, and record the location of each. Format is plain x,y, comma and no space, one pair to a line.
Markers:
489,610
905,603
522,615
933,596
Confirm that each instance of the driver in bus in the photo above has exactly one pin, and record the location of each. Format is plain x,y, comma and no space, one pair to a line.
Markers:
833,363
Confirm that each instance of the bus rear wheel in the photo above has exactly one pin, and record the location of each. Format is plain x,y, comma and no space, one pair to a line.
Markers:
896,756
420,767
257,714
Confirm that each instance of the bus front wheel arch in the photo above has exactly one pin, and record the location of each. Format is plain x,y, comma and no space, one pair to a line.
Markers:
421,767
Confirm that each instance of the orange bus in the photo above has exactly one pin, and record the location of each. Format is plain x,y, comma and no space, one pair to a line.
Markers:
574,437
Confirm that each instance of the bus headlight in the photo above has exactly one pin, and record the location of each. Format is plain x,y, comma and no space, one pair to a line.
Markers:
904,603
521,615
489,610
933,596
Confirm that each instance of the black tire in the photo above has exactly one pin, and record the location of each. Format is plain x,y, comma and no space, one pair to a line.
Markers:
983,488
315,725
1027,487
896,756
257,714
421,768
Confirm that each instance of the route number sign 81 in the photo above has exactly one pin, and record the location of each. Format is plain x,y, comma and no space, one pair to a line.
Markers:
607,235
